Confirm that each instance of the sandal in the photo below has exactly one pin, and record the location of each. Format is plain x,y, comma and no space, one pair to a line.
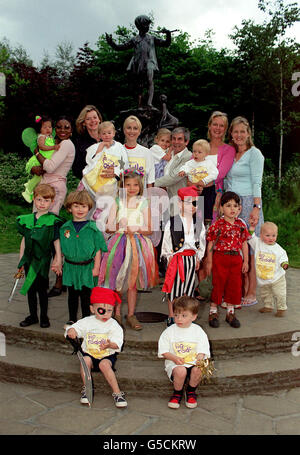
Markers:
133,323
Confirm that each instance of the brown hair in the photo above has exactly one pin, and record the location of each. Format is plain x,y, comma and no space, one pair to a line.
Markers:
133,175
44,190
79,197
81,117
186,303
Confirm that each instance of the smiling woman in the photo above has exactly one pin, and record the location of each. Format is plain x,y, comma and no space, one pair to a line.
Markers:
55,170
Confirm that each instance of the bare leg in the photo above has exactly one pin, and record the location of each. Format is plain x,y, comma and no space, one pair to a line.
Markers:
251,292
179,375
195,377
131,296
108,373
170,309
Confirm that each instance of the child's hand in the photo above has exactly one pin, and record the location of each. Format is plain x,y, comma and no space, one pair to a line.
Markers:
179,361
167,156
105,344
285,265
245,267
200,357
100,148
197,264
72,333
96,271
181,174
57,147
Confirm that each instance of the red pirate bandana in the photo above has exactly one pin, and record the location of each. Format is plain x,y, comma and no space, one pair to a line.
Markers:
104,295
188,191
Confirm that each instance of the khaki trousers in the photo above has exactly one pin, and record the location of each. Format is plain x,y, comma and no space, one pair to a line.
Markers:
274,292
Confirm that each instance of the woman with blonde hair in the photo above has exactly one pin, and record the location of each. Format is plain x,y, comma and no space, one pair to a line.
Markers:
88,133
245,179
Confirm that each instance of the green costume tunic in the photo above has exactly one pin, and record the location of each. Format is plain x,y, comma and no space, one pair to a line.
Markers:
39,235
78,247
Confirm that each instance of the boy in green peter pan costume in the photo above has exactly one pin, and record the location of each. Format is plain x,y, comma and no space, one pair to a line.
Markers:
81,245
40,233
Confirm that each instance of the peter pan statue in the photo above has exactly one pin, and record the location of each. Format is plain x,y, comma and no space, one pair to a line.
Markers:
144,60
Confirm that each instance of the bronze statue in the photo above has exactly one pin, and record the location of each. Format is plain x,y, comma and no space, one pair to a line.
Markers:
144,61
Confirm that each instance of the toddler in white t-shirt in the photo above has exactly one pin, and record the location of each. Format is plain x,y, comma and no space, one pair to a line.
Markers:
271,262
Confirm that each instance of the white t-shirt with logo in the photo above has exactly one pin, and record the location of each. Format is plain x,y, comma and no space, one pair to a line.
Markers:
183,342
268,260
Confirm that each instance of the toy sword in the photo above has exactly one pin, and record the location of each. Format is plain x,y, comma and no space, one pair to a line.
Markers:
17,277
87,374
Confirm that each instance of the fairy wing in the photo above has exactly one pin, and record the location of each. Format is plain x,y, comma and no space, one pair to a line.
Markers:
29,138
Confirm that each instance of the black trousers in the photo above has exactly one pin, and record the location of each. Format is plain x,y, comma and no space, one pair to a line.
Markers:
38,289
73,301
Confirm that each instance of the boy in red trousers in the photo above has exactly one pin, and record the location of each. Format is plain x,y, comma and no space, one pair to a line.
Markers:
226,238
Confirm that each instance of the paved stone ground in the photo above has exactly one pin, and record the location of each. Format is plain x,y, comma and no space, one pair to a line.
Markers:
26,410
30,411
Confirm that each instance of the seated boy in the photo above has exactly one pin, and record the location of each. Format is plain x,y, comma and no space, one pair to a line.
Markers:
182,345
102,340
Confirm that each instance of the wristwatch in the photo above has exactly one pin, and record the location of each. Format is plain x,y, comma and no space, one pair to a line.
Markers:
257,205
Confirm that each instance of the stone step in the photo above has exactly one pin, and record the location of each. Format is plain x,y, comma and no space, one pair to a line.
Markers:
136,345
242,375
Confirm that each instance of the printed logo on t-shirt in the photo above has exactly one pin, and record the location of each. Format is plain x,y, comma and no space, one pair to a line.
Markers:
185,350
199,173
94,342
265,265
137,163
94,179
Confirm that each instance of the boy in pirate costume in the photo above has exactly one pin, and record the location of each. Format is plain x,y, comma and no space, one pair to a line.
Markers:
102,341
183,246
40,233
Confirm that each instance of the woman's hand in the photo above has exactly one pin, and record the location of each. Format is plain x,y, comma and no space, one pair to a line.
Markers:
37,170
254,216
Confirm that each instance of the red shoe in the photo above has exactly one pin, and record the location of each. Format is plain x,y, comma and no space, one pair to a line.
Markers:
175,400
191,400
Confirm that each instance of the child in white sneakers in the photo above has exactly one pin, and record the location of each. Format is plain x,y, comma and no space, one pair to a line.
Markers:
102,340
271,262
182,345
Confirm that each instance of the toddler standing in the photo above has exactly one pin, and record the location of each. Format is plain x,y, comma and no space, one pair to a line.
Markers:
271,262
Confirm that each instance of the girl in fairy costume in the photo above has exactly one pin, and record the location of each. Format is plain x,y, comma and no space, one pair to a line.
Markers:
45,143
130,262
